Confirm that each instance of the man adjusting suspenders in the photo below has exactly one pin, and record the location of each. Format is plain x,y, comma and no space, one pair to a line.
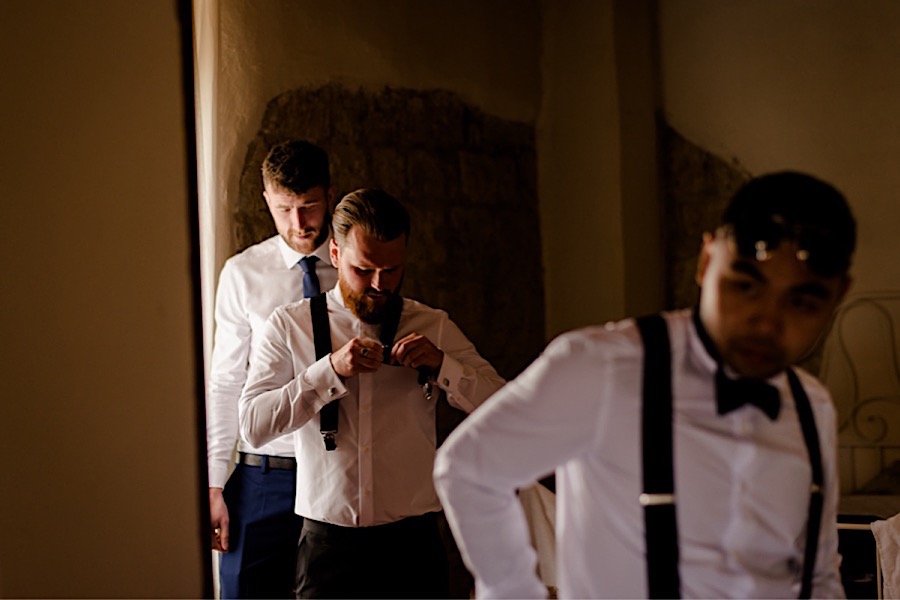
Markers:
659,499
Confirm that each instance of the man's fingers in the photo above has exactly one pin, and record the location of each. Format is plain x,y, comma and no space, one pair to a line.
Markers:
415,351
220,539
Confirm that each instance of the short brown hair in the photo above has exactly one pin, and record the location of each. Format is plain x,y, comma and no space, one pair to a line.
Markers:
296,166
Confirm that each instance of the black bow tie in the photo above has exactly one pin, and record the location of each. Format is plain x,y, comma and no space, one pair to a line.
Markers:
735,393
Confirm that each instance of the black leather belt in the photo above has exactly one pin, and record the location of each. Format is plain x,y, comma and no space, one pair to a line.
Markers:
272,462
409,525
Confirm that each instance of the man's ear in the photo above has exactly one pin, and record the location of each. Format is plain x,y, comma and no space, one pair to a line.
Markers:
703,259
334,252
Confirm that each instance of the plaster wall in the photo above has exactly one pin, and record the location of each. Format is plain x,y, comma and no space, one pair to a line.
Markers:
798,84
578,170
99,490
597,162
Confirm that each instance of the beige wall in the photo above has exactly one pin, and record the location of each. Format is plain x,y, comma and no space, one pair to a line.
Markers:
99,484
800,84
597,162
579,163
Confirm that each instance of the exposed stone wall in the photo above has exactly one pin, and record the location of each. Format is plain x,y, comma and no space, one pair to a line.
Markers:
696,187
469,181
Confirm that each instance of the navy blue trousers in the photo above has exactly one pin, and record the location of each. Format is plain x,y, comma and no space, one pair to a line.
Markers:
262,535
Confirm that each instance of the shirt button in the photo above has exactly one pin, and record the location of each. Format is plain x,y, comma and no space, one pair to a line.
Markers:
366,491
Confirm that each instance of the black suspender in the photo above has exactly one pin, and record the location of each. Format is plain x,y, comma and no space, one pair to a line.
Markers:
658,499
328,416
816,496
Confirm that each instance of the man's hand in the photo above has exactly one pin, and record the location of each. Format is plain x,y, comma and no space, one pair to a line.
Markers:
218,514
417,351
359,355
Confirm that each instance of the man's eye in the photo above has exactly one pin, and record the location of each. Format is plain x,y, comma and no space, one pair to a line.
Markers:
744,286
804,303
363,271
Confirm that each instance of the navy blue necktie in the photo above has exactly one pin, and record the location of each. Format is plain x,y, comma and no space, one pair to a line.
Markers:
310,279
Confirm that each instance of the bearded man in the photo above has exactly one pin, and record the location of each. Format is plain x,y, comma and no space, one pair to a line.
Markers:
354,375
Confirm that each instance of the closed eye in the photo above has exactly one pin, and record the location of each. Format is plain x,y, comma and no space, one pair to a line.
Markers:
743,285
810,297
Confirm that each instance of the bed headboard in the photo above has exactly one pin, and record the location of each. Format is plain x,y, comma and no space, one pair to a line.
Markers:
860,367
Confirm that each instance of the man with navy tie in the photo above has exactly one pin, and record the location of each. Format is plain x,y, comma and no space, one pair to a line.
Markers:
253,519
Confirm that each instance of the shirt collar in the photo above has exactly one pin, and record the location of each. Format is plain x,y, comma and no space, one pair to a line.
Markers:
291,257
335,295
701,344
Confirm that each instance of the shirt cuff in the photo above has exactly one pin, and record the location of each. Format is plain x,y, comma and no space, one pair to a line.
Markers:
328,385
218,475
451,379
529,587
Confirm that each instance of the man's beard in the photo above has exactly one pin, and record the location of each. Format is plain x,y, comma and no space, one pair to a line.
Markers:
369,306
305,247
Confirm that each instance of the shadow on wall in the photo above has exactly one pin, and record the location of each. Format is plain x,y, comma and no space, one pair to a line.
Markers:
469,181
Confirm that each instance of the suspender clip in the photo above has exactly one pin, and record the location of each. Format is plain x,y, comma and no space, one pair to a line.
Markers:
328,438
656,499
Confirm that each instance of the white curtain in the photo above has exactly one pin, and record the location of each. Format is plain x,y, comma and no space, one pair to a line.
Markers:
206,49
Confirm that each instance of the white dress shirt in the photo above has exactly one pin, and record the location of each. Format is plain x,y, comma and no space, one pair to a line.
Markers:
381,469
252,284
742,481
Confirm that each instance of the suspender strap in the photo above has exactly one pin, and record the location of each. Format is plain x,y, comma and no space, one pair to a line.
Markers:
816,496
389,326
328,416
658,499
659,485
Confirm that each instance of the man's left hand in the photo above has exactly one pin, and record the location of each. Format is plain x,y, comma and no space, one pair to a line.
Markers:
417,351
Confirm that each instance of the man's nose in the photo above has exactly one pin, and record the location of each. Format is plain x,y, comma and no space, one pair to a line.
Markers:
769,317
297,220
377,281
